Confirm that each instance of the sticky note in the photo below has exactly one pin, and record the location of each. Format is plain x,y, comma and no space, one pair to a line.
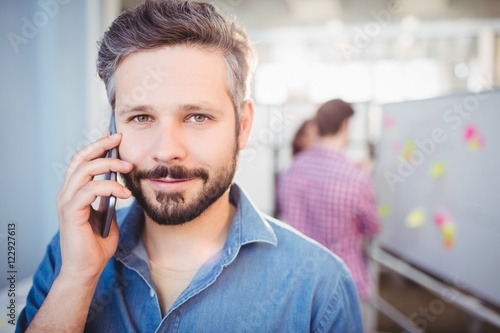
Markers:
447,228
470,132
408,149
437,170
448,232
416,218
388,122
384,211
474,140
440,219
476,144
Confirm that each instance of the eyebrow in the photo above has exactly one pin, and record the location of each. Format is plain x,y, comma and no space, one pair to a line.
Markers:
134,108
184,108
188,108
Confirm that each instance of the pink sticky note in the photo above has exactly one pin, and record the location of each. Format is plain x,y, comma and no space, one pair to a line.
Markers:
440,219
470,132
388,122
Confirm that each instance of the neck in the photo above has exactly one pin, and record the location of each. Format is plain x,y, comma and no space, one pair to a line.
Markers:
334,142
190,245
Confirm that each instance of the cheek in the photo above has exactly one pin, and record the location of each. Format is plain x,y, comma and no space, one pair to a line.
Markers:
131,149
214,150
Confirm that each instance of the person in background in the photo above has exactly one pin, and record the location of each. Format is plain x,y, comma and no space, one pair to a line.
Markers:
191,253
329,199
367,164
305,137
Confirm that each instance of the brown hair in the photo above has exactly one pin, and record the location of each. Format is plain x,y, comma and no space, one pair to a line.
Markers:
171,23
301,135
330,116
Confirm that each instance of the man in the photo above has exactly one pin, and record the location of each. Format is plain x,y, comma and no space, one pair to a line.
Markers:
330,200
191,254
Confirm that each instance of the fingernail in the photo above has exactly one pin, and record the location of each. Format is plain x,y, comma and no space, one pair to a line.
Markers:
113,136
127,164
127,191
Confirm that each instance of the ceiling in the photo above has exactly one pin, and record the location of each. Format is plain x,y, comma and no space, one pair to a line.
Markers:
263,14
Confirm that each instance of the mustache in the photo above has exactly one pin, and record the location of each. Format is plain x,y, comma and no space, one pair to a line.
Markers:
175,172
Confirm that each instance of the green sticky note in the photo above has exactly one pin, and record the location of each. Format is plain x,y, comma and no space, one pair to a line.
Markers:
384,211
437,170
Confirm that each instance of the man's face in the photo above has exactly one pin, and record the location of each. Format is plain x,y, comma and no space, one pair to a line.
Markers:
179,130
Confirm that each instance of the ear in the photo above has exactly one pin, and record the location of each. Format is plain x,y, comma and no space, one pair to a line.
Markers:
246,122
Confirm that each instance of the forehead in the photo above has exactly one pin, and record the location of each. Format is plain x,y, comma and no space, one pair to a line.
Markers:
174,73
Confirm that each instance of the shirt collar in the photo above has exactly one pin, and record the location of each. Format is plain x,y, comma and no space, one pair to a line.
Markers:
248,226
323,149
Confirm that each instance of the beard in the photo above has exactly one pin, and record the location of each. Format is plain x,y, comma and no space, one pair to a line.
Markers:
174,208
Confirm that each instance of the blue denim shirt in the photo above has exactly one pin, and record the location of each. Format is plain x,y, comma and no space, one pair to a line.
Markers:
267,278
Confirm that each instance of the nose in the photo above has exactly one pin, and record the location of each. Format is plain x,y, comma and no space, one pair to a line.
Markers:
169,144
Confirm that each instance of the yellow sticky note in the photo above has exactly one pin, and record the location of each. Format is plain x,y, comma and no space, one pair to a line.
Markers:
448,231
437,170
416,218
475,144
408,149
384,211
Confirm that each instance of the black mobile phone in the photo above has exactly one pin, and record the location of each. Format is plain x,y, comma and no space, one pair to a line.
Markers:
108,204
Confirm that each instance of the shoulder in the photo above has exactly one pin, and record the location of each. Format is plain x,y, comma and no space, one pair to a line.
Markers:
354,174
300,250
320,279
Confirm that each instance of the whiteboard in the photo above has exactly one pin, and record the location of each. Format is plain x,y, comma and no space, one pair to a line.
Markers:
437,177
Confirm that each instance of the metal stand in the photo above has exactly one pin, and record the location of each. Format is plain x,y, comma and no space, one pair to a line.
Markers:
479,313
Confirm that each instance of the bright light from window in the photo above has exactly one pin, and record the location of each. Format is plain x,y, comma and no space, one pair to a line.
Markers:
325,83
388,81
271,84
422,79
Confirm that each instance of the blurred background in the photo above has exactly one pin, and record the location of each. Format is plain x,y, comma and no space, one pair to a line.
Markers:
367,52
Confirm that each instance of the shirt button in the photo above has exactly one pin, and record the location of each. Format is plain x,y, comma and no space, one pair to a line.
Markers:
152,293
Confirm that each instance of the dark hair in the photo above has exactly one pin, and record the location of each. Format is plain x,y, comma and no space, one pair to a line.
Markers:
330,116
298,139
171,23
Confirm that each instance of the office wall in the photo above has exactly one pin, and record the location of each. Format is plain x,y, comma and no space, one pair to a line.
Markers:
44,100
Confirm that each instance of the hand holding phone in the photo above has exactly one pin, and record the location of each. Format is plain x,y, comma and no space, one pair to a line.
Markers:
84,250
108,204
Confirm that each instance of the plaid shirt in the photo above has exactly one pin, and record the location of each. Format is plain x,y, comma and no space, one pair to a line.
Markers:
330,200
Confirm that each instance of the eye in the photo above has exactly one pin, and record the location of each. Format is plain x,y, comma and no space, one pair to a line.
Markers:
198,118
141,118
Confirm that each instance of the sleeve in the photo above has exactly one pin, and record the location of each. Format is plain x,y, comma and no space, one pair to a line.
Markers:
42,282
367,216
343,313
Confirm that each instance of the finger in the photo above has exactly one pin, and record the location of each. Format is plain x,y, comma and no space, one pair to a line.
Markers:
85,173
94,150
78,209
